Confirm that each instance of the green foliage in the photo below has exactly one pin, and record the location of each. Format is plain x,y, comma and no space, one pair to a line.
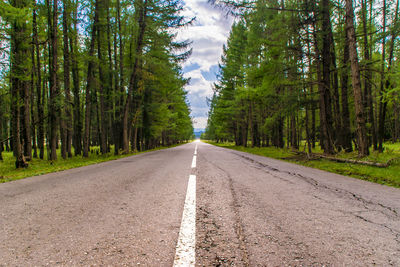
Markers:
253,83
100,48
165,110
18,13
285,75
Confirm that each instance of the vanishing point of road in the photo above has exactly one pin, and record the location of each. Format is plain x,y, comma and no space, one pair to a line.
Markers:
198,204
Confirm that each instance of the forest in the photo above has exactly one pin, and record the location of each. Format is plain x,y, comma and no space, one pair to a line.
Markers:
91,76
307,73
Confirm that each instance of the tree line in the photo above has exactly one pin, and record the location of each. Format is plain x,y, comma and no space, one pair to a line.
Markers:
83,73
316,71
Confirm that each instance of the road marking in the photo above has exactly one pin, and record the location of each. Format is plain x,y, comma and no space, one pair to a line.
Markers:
186,248
195,150
194,162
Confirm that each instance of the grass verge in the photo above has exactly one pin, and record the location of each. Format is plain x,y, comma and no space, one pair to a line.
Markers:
387,176
8,172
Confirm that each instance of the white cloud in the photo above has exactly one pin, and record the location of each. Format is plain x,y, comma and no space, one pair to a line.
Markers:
208,33
200,122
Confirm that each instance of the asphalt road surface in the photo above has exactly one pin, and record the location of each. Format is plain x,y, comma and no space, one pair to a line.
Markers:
236,209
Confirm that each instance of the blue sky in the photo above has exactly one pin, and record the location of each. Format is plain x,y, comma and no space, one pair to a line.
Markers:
208,34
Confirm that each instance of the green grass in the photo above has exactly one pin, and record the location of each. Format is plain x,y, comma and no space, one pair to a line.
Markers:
8,172
388,176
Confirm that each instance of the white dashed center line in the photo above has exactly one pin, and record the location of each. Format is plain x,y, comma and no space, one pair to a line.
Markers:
185,254
194,162
186,248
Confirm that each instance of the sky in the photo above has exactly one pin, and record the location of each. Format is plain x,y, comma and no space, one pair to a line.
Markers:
208,33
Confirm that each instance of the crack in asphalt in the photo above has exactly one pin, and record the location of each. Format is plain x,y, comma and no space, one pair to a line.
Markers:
239,230
211,228
390,212
210,234
316,184
299,254
239,224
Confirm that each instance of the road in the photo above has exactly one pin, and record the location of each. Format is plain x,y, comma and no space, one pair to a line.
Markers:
238,210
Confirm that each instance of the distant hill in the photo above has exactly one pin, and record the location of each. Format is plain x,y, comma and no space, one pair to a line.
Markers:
198,132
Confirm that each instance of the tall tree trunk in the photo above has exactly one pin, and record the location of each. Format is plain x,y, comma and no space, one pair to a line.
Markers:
306,122
325,94
2,129
53,105
63,113
39,102
335,89
19,76
73,43
100,6
306,99
1,144
310,102
89,88
345,131
394,35
133,83
368,77
322,117
16,136
293,132
116,124
26,130
355,71
67,109
396,114
111,80
32,100
382,102
28,109
119,85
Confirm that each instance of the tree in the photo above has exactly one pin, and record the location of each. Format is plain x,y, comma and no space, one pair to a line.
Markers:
16,14
53,69
355,72
67,131
141,70
74,48
291,48
90,83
